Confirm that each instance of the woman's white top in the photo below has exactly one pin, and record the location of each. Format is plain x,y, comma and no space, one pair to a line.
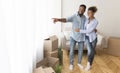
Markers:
89,29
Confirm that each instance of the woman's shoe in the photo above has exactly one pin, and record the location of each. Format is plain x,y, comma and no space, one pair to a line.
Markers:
88,66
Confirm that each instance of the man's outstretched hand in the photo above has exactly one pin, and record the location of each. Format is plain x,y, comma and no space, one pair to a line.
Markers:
55,20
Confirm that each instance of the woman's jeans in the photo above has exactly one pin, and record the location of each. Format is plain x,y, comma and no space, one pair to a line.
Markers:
80,50
91,49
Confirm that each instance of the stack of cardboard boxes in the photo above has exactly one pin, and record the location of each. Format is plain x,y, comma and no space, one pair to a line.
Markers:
50,56
51,47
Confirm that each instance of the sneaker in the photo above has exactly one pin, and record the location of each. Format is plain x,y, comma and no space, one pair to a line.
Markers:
71,67
88,67
80,66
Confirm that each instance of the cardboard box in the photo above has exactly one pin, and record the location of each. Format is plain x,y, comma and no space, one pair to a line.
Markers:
49,70
38,70
113,46
44,70
48,62
51,54
51,43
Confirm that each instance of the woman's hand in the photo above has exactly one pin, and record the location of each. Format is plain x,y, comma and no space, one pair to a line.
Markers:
77,30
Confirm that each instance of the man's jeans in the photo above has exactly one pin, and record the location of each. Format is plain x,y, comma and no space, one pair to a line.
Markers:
80,50
91,49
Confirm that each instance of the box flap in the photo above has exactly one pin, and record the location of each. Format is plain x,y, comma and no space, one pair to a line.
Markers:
39,70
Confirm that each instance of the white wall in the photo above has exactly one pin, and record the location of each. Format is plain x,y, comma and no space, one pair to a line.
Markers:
107,15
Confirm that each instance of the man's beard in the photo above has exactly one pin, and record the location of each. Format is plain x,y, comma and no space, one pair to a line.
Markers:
80,14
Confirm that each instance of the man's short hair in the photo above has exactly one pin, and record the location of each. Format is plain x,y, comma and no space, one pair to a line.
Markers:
82,5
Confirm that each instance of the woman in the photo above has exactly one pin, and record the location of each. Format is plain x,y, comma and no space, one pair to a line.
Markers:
91,36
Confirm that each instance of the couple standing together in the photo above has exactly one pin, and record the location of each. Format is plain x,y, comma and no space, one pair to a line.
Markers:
83,30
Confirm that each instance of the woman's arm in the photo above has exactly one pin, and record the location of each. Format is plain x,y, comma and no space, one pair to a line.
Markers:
90,29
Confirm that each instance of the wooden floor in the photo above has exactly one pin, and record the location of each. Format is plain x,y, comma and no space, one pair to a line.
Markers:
103,63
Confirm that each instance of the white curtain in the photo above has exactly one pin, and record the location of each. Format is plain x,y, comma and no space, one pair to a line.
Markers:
23,26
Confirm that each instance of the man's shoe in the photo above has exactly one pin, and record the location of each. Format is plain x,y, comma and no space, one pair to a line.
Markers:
80,66
71,67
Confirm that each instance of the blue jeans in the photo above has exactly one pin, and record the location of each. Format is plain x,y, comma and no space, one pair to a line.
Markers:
91,49
80,50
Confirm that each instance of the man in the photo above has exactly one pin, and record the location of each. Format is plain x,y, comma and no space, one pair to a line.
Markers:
78,20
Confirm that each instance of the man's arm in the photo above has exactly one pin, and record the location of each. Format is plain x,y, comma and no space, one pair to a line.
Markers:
64,20
78,30
90,29
59,20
